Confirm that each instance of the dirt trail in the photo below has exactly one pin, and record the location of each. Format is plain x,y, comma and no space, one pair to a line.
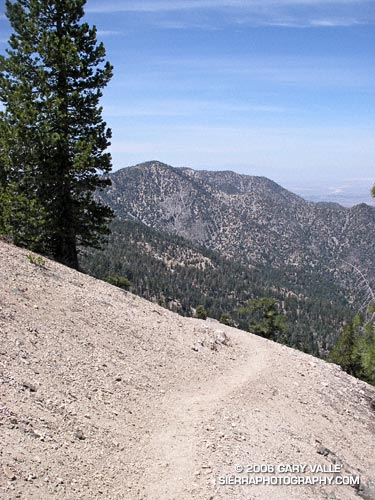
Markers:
104,395
175,443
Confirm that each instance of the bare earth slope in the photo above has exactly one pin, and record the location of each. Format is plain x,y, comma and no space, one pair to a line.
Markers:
107,396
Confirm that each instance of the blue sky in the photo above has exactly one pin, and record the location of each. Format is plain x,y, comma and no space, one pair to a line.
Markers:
281,88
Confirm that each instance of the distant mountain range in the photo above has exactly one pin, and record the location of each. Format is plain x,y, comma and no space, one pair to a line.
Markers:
251,219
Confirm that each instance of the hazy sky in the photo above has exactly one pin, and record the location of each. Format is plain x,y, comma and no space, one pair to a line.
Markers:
281,88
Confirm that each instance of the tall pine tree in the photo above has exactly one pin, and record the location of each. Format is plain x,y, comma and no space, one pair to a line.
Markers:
52,135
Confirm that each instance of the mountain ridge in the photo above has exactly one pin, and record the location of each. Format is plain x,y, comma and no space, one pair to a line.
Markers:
257,222
203,173
143,165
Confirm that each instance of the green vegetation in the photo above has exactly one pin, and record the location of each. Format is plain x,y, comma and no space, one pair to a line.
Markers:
226,319
342,353
265,318
37,260
180,275
119,281
355,348
52,135
201,312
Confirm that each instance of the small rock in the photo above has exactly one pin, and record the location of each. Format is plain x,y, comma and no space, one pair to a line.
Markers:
34,434
221,338
323,451
29,386
213,346
367,490
79,435
9,473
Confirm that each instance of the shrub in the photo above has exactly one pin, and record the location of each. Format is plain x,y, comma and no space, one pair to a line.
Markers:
119,281
201,312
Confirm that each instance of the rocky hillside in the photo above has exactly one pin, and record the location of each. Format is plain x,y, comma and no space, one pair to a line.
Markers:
248,218
105,395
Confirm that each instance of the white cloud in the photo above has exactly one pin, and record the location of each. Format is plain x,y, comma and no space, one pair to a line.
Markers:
256,21
176,5
319,71
109,33
170,24
337,190
184,108
332,23
166,14
361,179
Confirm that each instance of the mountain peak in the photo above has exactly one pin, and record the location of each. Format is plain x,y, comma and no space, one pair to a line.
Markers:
227,181
152,164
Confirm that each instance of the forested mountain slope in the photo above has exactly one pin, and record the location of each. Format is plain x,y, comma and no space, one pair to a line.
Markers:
181,275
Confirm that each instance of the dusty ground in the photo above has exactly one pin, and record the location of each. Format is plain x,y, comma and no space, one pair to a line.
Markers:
107,396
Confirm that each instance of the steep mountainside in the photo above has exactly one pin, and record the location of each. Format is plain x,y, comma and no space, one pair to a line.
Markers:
106,395
248,218
180,275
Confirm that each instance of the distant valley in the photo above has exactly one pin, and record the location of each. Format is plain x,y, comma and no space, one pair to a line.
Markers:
347,195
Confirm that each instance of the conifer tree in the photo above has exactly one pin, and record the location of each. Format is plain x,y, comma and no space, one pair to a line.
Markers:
201,312
343,352
52,135
265,318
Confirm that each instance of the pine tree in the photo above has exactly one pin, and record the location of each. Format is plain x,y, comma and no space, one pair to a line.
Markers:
52,134
265,318
343,352
226,319
364,349
201,312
